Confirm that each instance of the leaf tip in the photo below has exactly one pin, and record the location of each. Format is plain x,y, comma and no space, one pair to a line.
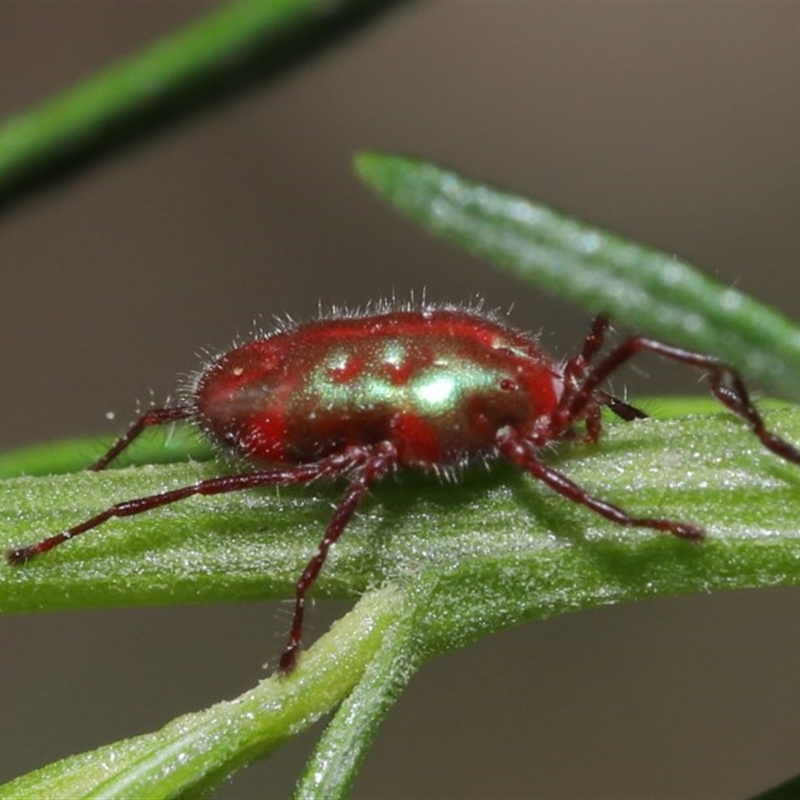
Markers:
367,164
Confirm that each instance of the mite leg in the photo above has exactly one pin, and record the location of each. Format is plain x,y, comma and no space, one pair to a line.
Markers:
576,367
329,467
156,416
516,449
574,372
726,385
379,462
594,421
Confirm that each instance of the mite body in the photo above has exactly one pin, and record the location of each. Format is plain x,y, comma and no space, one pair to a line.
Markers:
436,385
429,389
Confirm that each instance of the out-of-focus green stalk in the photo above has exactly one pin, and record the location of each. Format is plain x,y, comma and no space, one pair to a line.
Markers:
206,62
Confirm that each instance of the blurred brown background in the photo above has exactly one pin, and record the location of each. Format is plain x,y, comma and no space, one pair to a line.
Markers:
674,123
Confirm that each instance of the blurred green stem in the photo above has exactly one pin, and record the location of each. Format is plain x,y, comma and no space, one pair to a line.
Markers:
206,62
195,752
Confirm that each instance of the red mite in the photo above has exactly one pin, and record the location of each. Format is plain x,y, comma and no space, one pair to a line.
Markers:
429,389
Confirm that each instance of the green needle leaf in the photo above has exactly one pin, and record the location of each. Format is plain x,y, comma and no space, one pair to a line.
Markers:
206,62
653,292
195,752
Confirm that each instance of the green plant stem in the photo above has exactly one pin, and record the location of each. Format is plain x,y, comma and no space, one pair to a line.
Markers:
155,446
228,48
195,752
333,766
250,545
454,563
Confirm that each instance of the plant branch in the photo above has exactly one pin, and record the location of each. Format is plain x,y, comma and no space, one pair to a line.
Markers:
453,563
194,753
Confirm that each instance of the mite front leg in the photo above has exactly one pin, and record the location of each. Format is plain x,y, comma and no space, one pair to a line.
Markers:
726,385
156,416
574,375
576,367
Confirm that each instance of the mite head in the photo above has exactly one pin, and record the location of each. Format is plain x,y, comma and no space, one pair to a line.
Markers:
237,390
